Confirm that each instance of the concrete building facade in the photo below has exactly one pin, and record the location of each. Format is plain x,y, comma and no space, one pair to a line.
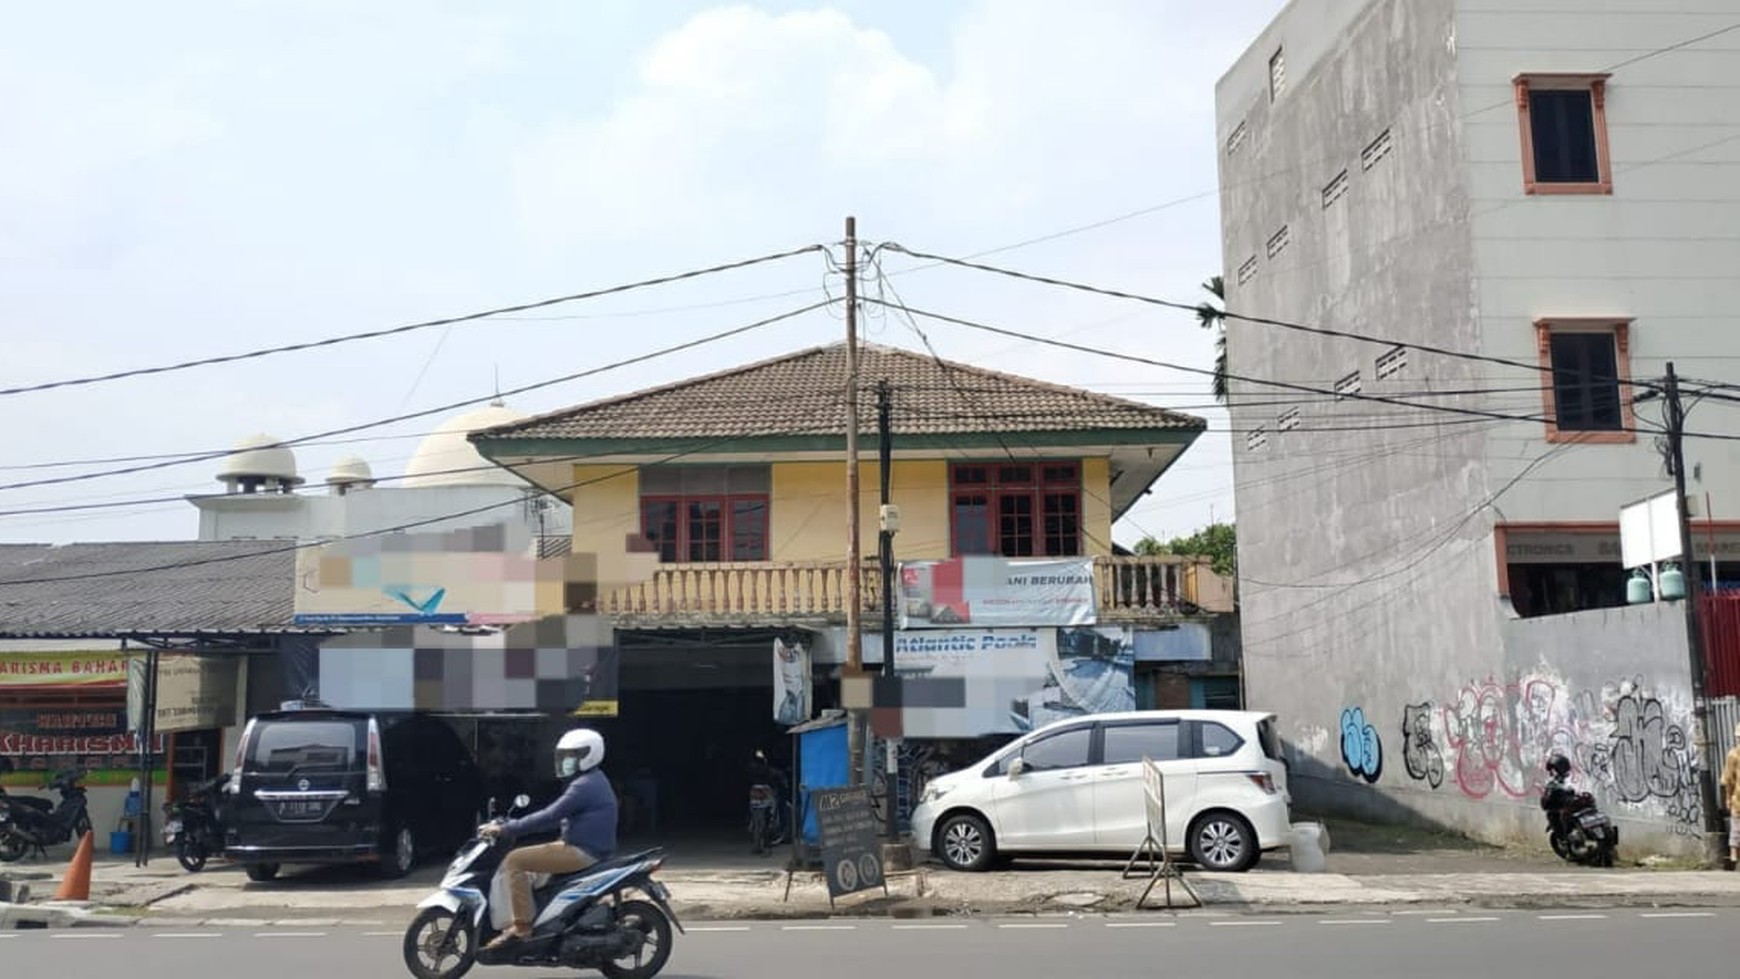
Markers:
1508,216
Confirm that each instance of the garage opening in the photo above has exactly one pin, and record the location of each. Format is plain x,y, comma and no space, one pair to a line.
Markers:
694,709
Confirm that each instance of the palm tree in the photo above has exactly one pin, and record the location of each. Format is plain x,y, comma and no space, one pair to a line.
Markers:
1211,316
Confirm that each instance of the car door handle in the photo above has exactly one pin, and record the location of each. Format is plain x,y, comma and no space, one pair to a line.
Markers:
1115,773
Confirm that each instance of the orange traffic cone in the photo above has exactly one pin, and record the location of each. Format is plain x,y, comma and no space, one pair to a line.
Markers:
76,886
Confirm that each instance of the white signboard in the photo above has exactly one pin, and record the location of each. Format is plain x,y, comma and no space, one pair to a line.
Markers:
791,683
1154,802
992,591
1649,531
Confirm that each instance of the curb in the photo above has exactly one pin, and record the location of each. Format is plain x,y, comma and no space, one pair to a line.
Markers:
917,910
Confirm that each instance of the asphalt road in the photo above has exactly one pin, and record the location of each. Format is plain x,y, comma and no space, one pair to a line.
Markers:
1494,945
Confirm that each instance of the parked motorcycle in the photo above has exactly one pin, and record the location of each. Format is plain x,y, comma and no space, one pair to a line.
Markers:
1577,829
191,827
769,805
26,825
583,921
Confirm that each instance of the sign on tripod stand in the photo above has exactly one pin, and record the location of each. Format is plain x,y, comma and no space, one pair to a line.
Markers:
1156,847
851,855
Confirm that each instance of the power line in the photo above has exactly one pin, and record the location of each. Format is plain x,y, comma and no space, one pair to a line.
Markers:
1132,358
412,525
615,365
1229,314
410,327
1287,385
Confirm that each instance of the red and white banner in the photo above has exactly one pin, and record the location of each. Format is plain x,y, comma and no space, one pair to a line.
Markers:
991,591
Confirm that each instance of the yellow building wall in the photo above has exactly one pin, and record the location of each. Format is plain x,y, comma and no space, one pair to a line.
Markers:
808,518
1096,507
606,503
809,509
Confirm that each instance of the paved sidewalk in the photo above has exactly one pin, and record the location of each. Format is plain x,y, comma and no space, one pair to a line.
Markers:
223,896
1367,866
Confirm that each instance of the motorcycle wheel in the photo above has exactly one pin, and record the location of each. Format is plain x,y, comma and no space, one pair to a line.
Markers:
1560,847
758,830
427,945
655,929
189,854
12,848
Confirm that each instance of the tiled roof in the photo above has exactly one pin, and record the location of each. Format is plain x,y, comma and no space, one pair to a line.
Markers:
802,394
128,588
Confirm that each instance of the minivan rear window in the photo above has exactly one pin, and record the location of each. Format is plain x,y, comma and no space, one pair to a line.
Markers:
304,746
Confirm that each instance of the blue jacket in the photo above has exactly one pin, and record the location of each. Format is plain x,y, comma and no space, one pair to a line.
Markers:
586,811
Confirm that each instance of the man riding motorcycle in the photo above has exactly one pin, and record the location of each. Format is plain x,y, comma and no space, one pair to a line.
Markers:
586,813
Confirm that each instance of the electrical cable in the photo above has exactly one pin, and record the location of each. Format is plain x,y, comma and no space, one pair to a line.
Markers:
1287,385
408,328
399,528
442,409
1229,314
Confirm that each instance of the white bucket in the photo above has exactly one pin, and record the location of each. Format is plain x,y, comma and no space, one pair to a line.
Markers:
1310,841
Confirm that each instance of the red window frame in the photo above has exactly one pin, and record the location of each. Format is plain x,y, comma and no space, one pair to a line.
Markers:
682,549
1029,509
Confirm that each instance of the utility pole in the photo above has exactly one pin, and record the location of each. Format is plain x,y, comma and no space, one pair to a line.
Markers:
885,551
1676,421
857,720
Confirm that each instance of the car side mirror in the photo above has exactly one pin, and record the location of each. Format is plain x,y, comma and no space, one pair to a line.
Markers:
1016,767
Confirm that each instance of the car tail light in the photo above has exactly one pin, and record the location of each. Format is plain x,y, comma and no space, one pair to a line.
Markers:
1263,780
377,776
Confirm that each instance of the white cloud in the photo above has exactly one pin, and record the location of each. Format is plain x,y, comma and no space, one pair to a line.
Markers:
737,109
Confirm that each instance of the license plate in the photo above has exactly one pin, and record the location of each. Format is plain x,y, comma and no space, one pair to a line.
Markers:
1595,819
301,809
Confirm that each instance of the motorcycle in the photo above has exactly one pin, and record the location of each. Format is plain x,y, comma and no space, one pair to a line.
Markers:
191,827
583,920
1577,829
25,826
769,806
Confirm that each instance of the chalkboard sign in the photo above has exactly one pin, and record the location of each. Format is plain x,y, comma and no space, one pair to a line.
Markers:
851,856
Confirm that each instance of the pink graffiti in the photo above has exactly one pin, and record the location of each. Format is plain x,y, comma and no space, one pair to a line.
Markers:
1500,735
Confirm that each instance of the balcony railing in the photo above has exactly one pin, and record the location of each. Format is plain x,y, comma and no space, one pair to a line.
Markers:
1129,590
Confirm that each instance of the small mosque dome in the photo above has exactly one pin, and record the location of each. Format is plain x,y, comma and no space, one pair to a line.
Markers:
260,463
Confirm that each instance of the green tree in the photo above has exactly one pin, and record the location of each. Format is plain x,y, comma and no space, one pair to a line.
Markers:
1218,542
1212,316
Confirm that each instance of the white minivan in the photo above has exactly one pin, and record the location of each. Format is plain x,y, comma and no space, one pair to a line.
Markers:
1075,786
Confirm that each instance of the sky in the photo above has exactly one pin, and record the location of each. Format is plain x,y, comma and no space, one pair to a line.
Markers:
186,180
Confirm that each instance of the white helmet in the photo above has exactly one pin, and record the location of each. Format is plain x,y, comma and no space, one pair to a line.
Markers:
578,751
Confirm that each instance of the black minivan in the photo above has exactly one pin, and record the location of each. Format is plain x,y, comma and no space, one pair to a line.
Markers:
331,786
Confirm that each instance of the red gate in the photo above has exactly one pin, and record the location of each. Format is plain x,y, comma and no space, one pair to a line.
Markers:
1721,621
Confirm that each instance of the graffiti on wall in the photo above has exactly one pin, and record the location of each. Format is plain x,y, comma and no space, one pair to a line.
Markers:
1361,748
1421,755
1493,739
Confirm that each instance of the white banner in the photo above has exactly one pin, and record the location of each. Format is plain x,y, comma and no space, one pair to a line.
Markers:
965,683
991,591
791,683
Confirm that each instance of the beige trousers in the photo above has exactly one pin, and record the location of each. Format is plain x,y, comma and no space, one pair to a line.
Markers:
547,858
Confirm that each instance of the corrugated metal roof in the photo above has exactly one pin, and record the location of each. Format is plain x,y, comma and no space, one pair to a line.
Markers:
145,588
802,393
